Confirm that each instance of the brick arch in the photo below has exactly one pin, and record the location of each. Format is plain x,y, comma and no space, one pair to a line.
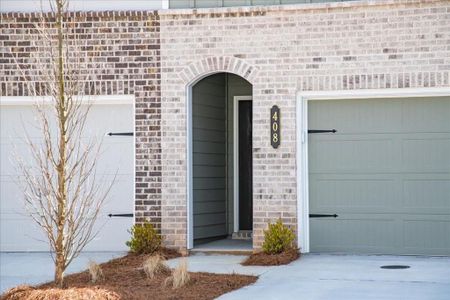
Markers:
216,64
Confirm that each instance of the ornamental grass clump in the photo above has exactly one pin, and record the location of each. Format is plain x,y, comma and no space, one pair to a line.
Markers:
154,265
180,275
144,239
278,238
95,272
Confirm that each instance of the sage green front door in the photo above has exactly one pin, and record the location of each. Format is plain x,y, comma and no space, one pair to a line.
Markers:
385,173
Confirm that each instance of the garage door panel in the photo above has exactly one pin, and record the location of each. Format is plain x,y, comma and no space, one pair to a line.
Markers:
429,195
112,234
381,193
352,195
389,183
426,155
100,117
114,155
426,115
427,236
17,118
21,235
10,195
120,198
18,233
354,233
352,154
355,116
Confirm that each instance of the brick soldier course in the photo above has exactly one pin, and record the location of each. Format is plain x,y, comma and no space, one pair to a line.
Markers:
280,50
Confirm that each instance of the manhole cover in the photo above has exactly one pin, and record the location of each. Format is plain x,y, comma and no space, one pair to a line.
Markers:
395,267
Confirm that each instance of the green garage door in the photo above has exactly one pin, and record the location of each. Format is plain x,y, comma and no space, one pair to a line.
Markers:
385,173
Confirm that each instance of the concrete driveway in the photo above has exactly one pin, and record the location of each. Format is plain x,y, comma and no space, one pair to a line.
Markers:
337,277
37,267
312,277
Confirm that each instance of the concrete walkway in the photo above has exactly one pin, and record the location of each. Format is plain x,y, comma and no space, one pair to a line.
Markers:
37,267
336,277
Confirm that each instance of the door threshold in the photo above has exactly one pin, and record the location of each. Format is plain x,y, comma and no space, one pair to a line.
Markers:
220,251
225,246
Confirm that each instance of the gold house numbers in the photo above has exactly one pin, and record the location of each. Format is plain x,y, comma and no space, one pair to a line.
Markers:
275,126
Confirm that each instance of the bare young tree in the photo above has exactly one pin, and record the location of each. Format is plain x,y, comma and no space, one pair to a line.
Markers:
61,191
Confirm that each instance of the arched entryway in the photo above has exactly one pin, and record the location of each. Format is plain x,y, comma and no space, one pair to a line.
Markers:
220,160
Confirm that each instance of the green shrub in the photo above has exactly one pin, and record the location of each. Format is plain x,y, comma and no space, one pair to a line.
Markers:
144,239
278,238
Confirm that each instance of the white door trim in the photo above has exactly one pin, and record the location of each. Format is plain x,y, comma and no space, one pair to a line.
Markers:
236,100
303,237
189,170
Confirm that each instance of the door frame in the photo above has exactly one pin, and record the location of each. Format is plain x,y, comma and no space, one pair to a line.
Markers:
302,99
236,100
189,156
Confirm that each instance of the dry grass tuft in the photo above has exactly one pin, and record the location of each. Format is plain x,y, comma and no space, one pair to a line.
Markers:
180,275
95,271
155,264
29,293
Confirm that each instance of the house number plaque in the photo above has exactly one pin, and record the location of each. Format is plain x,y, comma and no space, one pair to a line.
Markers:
275,126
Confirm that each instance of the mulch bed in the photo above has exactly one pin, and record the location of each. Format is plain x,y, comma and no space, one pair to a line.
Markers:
125,277
262,259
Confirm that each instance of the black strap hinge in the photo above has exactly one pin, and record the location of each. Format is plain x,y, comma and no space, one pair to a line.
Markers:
323,216
322,131
120,133
121,215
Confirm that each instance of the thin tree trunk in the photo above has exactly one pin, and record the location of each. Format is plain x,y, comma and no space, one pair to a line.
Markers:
60,189
59,271
61,213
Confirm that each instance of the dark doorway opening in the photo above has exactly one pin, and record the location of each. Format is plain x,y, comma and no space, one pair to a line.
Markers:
245,166
222,176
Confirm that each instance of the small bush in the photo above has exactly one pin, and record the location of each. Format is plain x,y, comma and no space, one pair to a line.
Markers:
95,271
144,239
278,238
155,265
180,275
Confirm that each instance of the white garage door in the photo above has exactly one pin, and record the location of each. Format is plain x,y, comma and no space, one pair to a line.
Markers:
17,231
385,173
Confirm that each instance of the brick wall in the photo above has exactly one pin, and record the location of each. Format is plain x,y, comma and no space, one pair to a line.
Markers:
282,50
125,51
